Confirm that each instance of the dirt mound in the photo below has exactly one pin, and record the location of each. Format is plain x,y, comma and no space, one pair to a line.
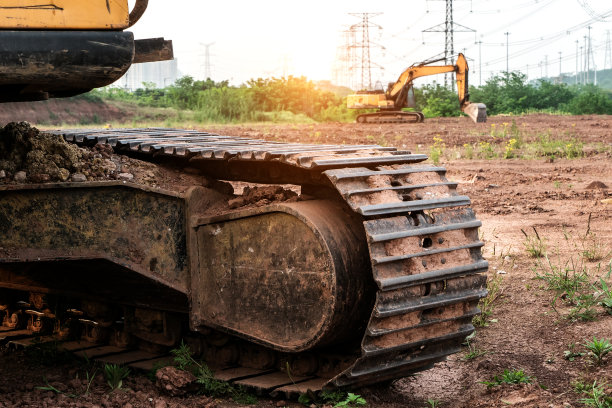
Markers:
596,184
41,156
72,111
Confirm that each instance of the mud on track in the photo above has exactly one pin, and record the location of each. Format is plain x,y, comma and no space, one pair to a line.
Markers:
556,197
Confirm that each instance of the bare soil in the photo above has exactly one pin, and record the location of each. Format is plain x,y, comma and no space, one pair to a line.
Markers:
557,196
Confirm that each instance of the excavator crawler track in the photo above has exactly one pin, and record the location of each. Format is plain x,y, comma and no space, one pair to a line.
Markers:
420,238
391,117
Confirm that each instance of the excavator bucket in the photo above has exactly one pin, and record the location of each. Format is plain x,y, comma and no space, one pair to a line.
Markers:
476,111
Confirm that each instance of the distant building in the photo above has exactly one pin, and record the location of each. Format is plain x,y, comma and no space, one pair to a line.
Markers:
161,74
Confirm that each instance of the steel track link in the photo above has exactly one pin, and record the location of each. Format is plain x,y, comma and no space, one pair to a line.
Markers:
422,238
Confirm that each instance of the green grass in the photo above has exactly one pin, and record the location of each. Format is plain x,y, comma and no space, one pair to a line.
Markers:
577,283
594,394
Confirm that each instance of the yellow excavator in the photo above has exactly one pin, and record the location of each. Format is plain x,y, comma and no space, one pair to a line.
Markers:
373,274
400,95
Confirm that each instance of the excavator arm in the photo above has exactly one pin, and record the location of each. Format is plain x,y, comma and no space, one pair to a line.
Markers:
475,111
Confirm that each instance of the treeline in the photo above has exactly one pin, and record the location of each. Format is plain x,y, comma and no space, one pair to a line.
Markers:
298,99
512,94
258,100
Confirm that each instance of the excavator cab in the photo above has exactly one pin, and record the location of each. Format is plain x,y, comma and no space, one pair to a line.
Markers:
66,47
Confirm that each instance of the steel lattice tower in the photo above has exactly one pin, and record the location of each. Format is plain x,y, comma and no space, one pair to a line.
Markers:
365,64
207,70
448,28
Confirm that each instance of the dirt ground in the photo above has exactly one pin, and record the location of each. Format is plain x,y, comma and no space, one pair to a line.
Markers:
555,195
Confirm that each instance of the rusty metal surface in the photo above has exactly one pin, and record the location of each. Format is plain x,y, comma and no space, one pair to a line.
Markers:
289,276
141,230
426,266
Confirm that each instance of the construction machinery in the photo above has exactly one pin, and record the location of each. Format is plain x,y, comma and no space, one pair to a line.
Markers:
400,95
371,273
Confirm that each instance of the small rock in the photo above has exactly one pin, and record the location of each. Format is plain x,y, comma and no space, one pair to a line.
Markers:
40,178
507,258
500,272
476,178
160,403
606,201
126,176
175,382
2,174
280,403
235,202
79,177
21,177
63,174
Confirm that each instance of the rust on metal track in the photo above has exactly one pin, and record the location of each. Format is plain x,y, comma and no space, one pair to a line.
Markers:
421,236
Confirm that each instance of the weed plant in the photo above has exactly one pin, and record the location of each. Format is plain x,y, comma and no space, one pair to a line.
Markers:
534,245
472,352
433,403
114,375
487,304
571,354
598,349
594,394
437,150
334,398
205,377
509,377
571,279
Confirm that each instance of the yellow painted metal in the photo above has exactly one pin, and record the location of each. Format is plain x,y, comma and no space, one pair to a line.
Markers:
64,14
367,101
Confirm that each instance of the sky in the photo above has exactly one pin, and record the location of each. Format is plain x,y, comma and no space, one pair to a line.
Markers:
252,39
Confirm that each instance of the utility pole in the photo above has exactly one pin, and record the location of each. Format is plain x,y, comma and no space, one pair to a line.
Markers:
448,28
559,65
582,73
480,63
589,55
364,45
576,82
507,55
541,69
546,65
608,53
584,66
